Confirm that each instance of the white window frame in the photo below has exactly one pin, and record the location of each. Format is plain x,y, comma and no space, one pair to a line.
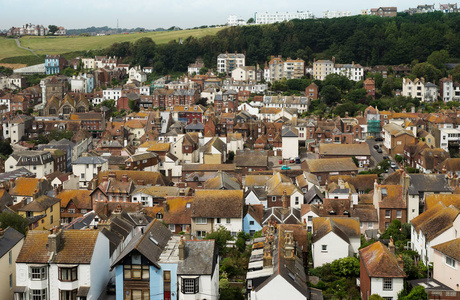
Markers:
451,262
323,248
202,221
387,284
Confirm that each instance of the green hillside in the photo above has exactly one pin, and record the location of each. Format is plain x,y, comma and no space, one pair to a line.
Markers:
59,45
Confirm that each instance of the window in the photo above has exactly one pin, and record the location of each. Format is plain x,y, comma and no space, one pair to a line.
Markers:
82,176
71,210
273,198
370,225
323,248
10,257
190,285
136,272
38,273
387,213
387,284
201,220
228,220
68,274
68,295
172,227
167,284
218,220
361,224
296,200
51,220
38,294
251,222
200,234
398,214
11,281
450,262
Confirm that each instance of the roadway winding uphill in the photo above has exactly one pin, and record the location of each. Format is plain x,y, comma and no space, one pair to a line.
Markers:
19,45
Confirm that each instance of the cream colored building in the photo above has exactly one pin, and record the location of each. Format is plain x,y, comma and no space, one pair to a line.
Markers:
11,242
294,68
88,63
322,68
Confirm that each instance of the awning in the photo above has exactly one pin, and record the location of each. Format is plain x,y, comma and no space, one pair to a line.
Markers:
83,291
20,289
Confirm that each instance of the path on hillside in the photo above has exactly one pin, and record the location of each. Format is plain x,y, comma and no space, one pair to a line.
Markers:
19,45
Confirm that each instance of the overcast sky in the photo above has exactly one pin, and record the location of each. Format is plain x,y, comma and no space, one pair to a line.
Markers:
152,14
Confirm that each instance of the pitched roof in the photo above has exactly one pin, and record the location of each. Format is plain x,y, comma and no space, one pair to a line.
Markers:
380,262
9,239
25,187
450,248
447,199
438,222
81,198
428,183
149,178
200,258
71,251
345,228
150,243
222,181
251,158
329,165
365,213
256,211
40,204
178,210
344,149
218,204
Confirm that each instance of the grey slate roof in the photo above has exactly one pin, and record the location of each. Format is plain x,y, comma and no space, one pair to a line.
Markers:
200,258
150,243
194,126
90,160
428,183
15,174
288,132
312,193
10,238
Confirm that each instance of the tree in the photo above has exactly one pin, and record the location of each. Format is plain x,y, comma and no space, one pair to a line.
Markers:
439,59
376,297
5,148
346,267
221,236
427,71
398,158
250,21
330,94
52,29
11,219
416,293
231,155
203,71
133,105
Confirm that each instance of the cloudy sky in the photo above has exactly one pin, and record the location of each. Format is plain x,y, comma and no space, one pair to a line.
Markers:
152,14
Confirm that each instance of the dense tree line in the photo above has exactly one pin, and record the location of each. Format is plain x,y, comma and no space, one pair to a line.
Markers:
368,40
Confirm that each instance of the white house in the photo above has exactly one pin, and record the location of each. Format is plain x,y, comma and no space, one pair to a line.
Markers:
290,140
435,226
58,265
41,163
446,89
383,274
111,94
87,167
334,238
446,262
425,92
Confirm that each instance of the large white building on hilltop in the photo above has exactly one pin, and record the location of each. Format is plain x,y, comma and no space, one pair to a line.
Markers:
335,14
234,20
270,18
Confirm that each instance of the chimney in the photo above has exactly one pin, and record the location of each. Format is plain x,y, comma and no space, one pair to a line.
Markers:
181,248
391,245
140,182
124,178
267,260
112,175
54,240
187,233
104,224
104,178
285,200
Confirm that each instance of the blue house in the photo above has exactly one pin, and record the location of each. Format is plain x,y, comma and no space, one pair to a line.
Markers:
158,265
252,218
54,64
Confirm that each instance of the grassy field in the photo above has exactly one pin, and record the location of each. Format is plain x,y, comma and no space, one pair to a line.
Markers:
8,48
58,45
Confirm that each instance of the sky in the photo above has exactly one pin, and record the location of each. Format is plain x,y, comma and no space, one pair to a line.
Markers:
151,14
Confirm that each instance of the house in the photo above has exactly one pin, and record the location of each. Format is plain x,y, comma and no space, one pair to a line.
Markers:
142,162
281,215
290,139
450,167
312,91
334,238
396,138
390,204
435,226
41,163
324,168
157,265
359,151
307,213
381,272
276,266
54,64
227,62
251,160
367,216
87,167
222,181
11,242
149,196
252,218
306,181
74,204
57,265
418,89
113,190
177,213
214,208
446,260
213,152
43,213
279,187
27,189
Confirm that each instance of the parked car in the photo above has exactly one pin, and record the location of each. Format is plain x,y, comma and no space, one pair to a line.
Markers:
378,139
379,150
393,165
385,157
376,146
297,160
284,167
292,160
